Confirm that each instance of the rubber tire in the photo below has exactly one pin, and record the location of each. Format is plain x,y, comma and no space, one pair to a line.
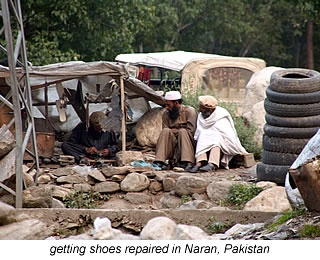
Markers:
295,81
274,158
290,132
274,173
286,110
288,98
307,121
283,145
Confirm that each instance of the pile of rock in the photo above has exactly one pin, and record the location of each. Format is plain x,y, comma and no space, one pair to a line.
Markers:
19,226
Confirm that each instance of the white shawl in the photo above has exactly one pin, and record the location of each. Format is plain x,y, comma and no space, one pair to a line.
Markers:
218,130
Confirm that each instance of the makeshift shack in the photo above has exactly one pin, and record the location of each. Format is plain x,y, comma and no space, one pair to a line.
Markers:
64,94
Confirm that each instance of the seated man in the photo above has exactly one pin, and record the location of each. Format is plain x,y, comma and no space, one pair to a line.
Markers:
92,143
176,138
215,135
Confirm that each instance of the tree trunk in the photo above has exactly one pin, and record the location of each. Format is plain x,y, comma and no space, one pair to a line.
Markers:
310,63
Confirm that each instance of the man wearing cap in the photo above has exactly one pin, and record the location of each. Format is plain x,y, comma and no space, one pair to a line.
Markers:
217,139
176,140
93,142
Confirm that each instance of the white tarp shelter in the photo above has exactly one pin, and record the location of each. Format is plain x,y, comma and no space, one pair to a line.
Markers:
227,76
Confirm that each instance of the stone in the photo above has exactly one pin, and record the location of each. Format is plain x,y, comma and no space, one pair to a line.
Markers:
64,171
44,179
187,185
97,175
7,141
72,179
253,109
106,187
148,127
155,186
239,230
135,182
196,204
57,204
270,200
170,202
37,197
266,184
169,184
110,171
218,191
131,156
59,192
6,213
137,198
8,165
84,187
159,228
187,232
29,229
117,178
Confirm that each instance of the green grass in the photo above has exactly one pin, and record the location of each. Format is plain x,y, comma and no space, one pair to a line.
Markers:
310,231
239,194
286,216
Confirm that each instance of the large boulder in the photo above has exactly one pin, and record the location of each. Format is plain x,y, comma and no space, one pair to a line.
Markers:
270,200
255,93
149,126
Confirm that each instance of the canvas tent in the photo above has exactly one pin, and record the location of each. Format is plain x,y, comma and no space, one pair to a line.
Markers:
227,76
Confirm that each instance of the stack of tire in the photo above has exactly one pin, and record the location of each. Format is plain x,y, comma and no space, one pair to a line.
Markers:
292,117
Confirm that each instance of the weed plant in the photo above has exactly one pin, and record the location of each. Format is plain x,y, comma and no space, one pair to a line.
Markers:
87,200
239,194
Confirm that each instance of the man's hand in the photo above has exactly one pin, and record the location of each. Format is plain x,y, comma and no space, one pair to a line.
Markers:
92,150
104,152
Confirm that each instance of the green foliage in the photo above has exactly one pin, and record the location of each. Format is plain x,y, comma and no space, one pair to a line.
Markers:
89,30
239,194
185,198
87,200
286,216
215,227
311,231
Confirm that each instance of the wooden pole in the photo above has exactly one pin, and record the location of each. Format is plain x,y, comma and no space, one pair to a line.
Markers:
123,125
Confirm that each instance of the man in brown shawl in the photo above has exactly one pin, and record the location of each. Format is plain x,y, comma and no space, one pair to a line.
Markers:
176,141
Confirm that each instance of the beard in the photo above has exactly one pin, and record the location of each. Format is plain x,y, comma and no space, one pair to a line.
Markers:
205,115
174,113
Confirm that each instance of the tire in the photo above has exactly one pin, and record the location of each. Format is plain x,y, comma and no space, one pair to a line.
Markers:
289,132
295,81
274,158
283,145
286,110
288,98
308,121
274,173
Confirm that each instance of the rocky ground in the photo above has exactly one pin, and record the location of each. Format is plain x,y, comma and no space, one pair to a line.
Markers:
143,188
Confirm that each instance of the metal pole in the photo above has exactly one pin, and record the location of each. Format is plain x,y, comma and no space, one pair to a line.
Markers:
15,97
123,125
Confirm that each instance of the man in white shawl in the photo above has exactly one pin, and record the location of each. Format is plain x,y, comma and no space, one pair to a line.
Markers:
216,137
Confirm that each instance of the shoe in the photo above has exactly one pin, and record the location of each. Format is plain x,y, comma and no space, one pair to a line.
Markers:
207,168
194,169
83,162
188,168
161,165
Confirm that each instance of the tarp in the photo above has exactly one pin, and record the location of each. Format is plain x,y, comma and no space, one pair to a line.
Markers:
173,60
90,74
